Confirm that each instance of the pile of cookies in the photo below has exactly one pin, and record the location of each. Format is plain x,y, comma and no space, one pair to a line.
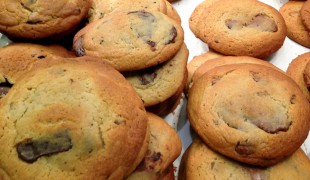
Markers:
70,117
250,117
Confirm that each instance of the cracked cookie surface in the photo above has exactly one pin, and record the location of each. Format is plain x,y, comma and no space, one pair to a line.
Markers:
34,19
131,40
243,111
72,119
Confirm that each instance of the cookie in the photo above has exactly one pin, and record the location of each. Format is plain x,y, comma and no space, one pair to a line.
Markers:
296,31
41,19
249,112
196,62
201,162
247,28
18,58
131,40
102,8
305,15
158,83
164,147
296,70
212,63
72,120
195,18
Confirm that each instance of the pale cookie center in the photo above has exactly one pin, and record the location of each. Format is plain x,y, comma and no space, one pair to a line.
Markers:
261,22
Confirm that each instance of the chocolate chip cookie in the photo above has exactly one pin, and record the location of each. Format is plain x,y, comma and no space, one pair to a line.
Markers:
102,8
164,147
296,30
297,70
36,19
131,40
72,120
234,27
158,83
200,162
249,112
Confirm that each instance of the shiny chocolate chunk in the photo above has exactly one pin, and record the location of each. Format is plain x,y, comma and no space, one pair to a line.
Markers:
78,47
173,34
30,150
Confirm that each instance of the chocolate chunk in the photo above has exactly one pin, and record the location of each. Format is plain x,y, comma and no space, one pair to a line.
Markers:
244,149
78,47
173,34
30,150
41,56
234,24
150,161
152,44
155,156
146,16
4,88
147,76
263,22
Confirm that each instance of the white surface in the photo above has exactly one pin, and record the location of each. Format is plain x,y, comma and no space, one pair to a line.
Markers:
281,59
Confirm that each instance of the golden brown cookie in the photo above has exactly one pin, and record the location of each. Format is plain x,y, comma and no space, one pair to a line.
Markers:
76,119
248,28
305,15
158,83
36,19
196,62
249,112
296,30
212,63
131,40
200,162
164,147
297,71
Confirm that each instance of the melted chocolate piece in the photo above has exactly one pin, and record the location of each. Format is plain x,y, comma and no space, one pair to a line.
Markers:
4,88
30,150
150,161
78,47
147,77
244,149
152,44
144,15
173,34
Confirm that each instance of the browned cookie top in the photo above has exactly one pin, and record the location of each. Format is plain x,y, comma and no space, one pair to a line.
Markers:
131,40
39,18
201,162
234,27
249,112
72,120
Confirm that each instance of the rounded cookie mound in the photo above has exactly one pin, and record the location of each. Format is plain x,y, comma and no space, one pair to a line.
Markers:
249,28
249,112
131,40
164,147
158,83
200,162
72,120
296,30
35,19
299,71
100,9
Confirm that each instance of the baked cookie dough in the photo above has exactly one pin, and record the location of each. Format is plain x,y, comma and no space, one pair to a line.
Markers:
164,147
249,112
297,70
296,30
234,27
199,162
72,120
36,19
158,83
102,8
131,40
